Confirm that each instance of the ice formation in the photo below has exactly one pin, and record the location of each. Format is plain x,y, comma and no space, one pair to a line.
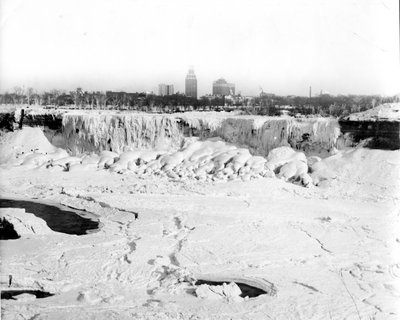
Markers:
88,131
97,132
262,134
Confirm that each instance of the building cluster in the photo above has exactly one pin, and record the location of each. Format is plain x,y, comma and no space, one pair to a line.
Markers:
165,89
223,88
220,88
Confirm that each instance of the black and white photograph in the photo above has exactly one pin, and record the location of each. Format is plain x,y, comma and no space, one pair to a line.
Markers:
199,159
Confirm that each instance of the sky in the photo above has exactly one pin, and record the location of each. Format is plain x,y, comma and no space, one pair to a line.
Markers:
279,46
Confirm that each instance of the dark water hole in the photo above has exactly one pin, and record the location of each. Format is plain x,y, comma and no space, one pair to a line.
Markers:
247,291
10,294
59,218
7,231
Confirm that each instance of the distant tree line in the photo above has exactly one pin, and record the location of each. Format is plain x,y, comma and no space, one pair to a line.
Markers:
265,104
98,100
323,105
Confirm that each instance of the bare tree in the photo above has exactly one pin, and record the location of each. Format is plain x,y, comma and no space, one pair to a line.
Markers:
29,93
100,98
87,99
52,97
18,97
37,98
77,96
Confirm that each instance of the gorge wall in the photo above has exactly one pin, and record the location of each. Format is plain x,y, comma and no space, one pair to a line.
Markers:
380,134
380,126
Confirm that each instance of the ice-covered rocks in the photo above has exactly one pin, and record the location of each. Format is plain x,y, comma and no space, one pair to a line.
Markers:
282,155
205,160
293,169
229,292
107,158
66,161
210,159
91,159
25,297
313,159
34,159
25,223
289,165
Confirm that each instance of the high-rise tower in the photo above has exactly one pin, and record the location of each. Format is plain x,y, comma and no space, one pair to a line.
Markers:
191,84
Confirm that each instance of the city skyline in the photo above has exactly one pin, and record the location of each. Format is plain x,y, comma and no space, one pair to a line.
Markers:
340,47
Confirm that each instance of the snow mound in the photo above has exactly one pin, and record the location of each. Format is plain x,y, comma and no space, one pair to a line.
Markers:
383,112
215,160
202,160
282,155
23,142
360,171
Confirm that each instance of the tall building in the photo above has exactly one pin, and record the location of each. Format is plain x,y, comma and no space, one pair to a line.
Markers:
165,89
223,88
191,84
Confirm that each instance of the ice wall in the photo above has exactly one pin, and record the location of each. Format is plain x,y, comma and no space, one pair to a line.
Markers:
96,131
83,131
116,132
262,134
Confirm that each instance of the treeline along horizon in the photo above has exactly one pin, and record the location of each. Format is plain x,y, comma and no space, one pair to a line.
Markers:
265,104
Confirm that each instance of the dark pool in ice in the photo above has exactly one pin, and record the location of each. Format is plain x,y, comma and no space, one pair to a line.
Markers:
59,218
7,231
12,294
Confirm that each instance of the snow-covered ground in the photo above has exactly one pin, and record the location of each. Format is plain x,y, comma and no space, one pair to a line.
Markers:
384,112
327,251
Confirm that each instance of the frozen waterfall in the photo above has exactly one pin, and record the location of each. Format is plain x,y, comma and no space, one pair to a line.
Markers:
94,131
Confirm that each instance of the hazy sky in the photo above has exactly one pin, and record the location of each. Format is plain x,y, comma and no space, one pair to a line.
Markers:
283,46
